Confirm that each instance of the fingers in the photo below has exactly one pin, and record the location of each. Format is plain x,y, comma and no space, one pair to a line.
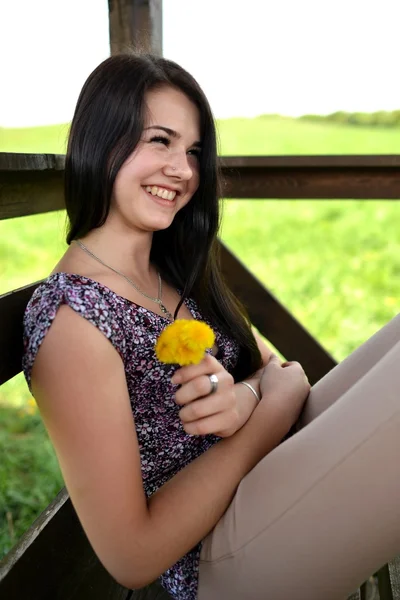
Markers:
293,364
205,407
207,366
200,387
297,365
195,388
204,412
212,424
274,359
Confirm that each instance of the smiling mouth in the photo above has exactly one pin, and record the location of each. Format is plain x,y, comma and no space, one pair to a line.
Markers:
162,193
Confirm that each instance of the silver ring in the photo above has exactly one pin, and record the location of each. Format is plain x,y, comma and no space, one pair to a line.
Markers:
214,383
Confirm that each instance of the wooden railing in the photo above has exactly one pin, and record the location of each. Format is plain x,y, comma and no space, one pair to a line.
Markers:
54,558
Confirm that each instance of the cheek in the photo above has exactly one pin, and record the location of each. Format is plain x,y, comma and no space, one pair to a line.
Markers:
135,168
192,189
195,181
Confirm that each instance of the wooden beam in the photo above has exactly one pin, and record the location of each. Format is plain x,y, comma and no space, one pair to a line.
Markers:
33,183
30,184
385,584
274,321
55,560
394,571
135,24
12,308
312,177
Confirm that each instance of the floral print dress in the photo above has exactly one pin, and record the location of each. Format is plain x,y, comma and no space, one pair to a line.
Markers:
165,448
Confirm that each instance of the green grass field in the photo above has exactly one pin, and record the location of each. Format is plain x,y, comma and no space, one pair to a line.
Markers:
334,264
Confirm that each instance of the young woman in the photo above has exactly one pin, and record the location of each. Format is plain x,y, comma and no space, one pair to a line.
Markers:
180,473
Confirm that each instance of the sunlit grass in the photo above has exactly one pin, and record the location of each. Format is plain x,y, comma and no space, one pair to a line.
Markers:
29,473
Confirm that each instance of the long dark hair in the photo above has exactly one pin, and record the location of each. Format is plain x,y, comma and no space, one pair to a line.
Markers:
107,126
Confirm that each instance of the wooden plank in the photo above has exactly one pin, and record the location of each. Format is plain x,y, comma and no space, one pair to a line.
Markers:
54,561
274,321
309,178
394,571
135,24
341,161
31,193
31,183
384,584
355,596
12,308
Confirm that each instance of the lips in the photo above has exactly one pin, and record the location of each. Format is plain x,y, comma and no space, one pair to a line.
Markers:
161,192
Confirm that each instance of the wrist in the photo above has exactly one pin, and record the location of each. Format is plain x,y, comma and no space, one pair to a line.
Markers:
247,399
261,433
253,390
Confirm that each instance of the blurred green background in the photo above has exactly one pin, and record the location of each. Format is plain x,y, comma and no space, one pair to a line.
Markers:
334,264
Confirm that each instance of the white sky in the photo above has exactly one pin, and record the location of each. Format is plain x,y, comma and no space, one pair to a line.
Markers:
251,57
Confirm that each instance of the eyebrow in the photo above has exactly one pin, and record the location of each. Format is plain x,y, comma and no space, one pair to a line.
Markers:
171,132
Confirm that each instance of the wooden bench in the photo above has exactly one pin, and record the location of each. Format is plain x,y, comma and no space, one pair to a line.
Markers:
54,560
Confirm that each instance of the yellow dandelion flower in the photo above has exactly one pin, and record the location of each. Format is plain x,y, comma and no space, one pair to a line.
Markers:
184,342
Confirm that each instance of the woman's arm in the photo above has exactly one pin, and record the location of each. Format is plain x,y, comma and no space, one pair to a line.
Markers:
80,386
246,401
266,352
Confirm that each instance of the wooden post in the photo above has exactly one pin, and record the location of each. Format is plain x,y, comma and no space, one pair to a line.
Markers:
135,24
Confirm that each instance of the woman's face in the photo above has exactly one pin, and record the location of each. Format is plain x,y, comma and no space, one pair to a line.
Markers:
162,174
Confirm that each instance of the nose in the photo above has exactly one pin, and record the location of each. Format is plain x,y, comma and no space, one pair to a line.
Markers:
178,166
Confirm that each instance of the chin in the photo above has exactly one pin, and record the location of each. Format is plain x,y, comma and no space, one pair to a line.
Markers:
159,225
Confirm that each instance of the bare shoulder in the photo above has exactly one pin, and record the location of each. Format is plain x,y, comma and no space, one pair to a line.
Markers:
79,383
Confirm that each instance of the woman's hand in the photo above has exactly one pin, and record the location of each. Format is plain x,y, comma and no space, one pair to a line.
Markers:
285,387
204,413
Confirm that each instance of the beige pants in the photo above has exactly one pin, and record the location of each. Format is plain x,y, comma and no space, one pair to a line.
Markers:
320,513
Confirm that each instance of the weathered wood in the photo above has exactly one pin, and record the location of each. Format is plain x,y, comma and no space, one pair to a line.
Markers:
312,177
274,321
135,24
31,183
384,584
54,561
358,594
12,308
341,161
394,571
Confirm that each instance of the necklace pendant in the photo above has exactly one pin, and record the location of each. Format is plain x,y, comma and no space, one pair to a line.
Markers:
166,312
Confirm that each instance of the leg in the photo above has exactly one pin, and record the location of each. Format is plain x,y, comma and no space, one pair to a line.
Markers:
347,373
320,513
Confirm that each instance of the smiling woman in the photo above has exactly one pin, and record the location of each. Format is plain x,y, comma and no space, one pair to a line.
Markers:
141,192
164,164
185,473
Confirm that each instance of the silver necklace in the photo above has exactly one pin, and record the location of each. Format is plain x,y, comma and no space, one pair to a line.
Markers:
157,300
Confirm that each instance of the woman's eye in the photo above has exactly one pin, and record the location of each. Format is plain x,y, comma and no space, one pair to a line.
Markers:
160,139
195,152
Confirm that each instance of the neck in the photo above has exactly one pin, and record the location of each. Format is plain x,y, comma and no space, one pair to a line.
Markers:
128,252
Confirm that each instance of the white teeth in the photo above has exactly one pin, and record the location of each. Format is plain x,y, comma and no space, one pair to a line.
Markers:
160,192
